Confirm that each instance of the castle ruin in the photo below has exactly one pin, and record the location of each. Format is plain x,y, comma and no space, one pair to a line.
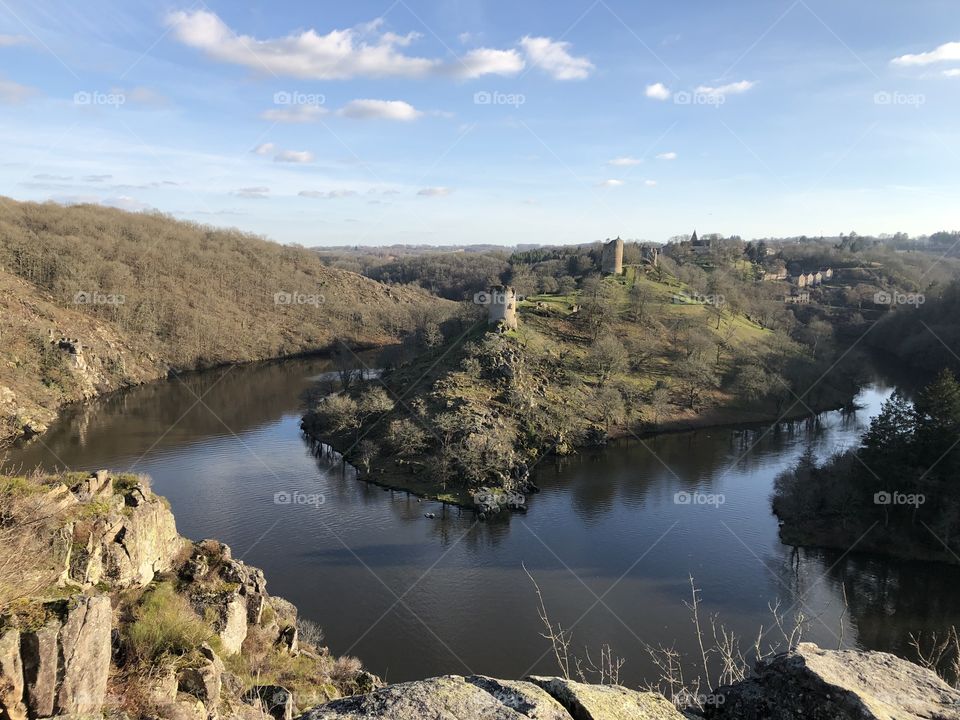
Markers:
611,262
502,307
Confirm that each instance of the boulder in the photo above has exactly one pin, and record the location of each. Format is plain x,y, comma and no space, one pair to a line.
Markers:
39,651
201,682
232,624
450,697
84,662
11,677
142,543
607,702
816,684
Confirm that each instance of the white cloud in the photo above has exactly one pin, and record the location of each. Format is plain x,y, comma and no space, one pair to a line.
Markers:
625,161
264,148
328,195
294,114
293,156
255,193
952,73
728,89
658,91
379,109
435,192
13,93
338,55
488,61
610,183
552,56
362,51
944,53
667,156
97,178
12,40
650,183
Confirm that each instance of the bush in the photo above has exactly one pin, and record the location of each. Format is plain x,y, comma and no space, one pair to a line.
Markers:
165,625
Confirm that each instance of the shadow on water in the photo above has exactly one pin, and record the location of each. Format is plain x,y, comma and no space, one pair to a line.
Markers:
415,596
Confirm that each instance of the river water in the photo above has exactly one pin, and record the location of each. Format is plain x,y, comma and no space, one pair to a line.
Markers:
612,539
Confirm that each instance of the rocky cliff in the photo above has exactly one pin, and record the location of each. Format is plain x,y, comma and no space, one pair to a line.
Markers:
105,611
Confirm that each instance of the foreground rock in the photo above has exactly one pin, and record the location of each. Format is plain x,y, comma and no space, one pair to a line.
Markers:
128,619
607,702
452,697
816,684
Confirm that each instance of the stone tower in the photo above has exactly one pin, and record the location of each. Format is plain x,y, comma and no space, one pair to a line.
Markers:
612,259
502,306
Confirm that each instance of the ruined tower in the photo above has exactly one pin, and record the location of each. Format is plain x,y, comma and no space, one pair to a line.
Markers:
612,259
502,306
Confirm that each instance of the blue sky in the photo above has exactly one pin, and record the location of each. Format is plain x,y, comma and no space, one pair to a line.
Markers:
469,121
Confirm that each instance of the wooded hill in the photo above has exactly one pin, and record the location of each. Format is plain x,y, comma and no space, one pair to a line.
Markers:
622,356
145,294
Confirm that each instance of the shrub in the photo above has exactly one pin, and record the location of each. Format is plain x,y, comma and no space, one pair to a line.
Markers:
165,625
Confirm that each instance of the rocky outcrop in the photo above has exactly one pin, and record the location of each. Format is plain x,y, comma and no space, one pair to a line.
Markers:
65,663
450,697
11,677
453,697
810,683
607,702
126,535
84,656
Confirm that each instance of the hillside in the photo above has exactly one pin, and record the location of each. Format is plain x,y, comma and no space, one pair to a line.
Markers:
624,356
144,295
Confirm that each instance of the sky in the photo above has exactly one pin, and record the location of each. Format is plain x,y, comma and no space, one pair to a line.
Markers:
482,121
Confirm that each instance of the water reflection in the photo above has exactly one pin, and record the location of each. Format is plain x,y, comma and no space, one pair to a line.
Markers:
414,596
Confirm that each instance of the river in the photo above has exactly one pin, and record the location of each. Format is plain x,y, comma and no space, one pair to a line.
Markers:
612,539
